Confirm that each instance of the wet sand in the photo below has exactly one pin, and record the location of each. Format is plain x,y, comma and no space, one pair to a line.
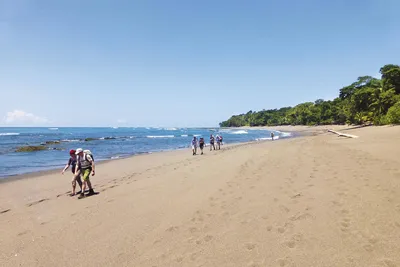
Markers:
316,200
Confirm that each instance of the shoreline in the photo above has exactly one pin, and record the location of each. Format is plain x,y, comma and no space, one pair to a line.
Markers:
295,132
29,163
57,171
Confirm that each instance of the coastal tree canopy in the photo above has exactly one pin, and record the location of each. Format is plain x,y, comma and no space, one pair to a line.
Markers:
367,100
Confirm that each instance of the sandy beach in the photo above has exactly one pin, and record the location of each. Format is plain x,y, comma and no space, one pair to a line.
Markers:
315,200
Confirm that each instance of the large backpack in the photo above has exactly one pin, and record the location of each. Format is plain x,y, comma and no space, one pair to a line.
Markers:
88,152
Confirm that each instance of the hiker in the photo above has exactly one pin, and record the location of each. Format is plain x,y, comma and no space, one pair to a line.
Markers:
220,139
194,145
218,142
85,167
75,178
272,136
201,144
212,140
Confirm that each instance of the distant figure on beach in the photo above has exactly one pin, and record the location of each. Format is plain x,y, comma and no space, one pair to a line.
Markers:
201,144
85,167
220,139
218,142
272,136
212,141
75,178
194,145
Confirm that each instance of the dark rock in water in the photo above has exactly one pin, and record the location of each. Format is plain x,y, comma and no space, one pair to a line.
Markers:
109,138
90,139
30,148
52,142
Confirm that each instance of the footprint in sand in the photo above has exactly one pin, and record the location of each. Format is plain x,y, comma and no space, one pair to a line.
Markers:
250,246
388,262
285,262
294,240
296,195
368,247
37,202
23,233
284,208
193,230
179,259
301,216
208,238
281,230
172,229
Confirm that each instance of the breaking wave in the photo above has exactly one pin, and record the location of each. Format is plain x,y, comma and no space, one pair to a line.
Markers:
239,132
267,138
8,134
160,136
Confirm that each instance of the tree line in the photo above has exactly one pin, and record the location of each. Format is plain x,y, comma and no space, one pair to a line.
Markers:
367,100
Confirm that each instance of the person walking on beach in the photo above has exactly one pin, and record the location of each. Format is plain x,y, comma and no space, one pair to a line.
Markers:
75,178
272,136
201,144
212,141
220,139
218,142
85,167
194,145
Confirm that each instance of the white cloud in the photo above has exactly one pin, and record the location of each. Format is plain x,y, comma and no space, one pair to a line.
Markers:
23,118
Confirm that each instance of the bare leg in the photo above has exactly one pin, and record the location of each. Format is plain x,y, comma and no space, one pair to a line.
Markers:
73,187
83,187
78,179
89,183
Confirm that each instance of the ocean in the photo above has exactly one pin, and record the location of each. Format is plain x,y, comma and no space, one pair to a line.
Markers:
104,143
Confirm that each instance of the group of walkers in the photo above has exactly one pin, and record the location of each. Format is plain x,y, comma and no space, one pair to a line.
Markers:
82,166
201,143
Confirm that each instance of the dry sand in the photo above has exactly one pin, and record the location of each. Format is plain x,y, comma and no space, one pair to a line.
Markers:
318,200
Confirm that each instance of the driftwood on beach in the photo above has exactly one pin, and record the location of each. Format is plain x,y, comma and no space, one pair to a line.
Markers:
342,134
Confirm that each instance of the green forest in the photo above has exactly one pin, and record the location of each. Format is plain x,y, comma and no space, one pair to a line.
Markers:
366,101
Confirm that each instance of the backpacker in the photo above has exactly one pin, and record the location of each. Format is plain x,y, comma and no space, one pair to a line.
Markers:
201,141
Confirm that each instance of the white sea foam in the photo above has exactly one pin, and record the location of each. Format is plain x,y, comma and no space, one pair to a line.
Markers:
115,157
184,135
284,134
53,129
197,135
267,138
7,134
239,132
69,140
160,136
170,129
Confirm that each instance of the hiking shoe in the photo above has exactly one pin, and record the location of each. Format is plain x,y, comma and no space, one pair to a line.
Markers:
91,192
81,196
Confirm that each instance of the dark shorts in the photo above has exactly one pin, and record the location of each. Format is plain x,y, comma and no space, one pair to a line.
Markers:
201,146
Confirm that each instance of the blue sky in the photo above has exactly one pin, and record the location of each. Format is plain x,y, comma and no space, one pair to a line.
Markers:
183,63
